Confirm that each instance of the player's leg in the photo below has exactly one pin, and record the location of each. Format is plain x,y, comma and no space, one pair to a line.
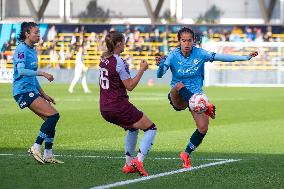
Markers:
84,84
76,78
202,122
47,131
179,97
130,145
130,118
146,142
124,117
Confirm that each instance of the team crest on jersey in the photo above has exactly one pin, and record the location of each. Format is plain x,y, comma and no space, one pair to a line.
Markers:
21,55
31,95
195,61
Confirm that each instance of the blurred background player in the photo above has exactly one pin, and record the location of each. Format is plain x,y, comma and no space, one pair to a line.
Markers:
28,93
80,71
115,106
186,63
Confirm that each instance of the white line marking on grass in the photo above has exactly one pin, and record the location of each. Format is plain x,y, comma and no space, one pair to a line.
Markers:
126,182
7,154
122,157
117,157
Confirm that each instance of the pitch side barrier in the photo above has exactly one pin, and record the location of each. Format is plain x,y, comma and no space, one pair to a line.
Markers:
267,69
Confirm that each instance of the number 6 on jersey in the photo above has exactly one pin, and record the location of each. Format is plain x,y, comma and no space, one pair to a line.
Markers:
104,82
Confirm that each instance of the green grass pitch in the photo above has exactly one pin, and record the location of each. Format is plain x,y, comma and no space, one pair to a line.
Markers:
249,126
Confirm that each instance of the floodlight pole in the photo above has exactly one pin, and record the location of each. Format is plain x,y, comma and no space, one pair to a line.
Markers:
37,15
1,10
153,15
64,10
282,11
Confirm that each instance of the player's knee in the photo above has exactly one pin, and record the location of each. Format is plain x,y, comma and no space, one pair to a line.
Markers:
185,93
151,127
203,129
54,118
132,129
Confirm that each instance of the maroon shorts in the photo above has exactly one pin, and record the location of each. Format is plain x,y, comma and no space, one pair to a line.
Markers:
124,116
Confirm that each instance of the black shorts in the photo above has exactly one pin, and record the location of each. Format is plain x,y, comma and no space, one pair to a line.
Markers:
25,99
171,102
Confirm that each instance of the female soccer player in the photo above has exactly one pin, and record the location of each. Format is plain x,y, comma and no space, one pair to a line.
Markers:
115,107
28,93
186,63
80,71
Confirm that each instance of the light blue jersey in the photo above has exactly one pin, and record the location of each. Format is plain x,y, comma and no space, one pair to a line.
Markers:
27,57
190,70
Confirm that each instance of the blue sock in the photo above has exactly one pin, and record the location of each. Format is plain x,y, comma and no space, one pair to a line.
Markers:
41,136
49,140
50,124
46,128
185,94
148,139
130,142
195,141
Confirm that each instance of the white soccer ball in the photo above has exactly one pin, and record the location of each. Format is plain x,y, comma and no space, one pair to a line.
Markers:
198,103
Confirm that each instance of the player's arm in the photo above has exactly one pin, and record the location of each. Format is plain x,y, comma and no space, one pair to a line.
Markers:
45,96
131,83
233,58
27,72
20,62
163,65
42,93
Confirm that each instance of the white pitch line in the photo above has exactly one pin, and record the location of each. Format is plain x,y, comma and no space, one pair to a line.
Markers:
118,157
126,182
6,154
122,157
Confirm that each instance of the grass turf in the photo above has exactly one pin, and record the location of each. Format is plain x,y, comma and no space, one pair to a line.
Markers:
249,126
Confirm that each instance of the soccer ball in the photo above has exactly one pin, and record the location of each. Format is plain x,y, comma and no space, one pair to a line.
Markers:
198,103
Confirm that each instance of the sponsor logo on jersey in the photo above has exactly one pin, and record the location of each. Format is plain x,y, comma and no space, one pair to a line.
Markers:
187,70
21,55
33,63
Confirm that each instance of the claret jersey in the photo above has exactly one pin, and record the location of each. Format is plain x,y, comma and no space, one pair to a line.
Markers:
113,71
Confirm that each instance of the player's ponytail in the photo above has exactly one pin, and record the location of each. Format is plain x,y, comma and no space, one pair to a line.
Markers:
111,39
26,27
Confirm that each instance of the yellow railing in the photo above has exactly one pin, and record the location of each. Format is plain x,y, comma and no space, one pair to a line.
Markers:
92,55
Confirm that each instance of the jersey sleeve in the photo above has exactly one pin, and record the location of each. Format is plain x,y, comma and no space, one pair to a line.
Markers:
20,55
122,69
164,65
231,58
22,71
208,56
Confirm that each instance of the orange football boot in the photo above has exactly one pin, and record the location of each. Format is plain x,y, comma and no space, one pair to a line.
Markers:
211,111
139,167
185,160
128,169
